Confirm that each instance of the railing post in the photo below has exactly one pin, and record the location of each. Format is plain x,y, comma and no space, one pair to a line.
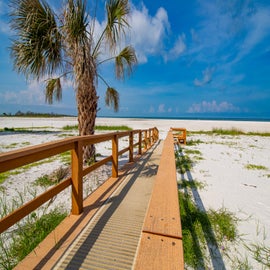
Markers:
140,143
150,137
145,140
131,146
115,156
77,176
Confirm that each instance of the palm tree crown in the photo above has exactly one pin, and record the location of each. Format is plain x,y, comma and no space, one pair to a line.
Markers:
59,46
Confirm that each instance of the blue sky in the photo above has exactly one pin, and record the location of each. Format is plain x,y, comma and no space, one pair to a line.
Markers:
197,58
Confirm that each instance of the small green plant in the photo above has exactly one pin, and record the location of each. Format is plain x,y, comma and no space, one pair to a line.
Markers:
5,175
119,128
100,128
261,253
43,181
255,167
232,131
191,184
194,142
193,152
55,177
68,127
183,164
24,239
199,228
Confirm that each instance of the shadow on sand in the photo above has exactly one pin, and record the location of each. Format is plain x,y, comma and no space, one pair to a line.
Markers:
195,214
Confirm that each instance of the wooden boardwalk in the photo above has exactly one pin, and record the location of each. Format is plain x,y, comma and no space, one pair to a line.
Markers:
110,239
129,222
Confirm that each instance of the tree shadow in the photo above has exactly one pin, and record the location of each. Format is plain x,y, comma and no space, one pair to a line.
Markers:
194,214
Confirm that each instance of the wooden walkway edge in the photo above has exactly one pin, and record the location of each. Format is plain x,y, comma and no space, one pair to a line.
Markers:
161,241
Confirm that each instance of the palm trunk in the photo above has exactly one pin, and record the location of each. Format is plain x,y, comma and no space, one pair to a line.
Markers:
87,110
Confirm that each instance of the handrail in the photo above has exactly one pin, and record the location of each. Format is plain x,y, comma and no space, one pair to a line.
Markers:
14,159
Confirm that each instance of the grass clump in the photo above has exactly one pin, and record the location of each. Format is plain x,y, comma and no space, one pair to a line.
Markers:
120,128
25,129
183,164
43,181
201,229
260,253
232,131
255,167
193,152
100,128
23,240
54,178
69,127
194,142
191,184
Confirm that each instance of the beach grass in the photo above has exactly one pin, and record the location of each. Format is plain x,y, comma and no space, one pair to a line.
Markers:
231,132
27,236
26,129
51,179
18,241
219,228
99,128
5,175
255,167
201,228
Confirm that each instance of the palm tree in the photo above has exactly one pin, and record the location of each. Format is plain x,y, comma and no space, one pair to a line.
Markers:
61,46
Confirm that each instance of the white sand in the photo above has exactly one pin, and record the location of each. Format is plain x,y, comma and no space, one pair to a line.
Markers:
229,183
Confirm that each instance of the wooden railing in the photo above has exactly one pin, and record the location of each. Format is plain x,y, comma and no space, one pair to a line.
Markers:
179,135
161,244
14,159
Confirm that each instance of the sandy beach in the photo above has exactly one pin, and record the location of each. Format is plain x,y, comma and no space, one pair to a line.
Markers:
223,166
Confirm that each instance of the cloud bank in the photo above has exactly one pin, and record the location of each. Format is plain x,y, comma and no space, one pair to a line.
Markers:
213,107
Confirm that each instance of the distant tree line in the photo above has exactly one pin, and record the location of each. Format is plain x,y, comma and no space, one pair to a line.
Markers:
33,114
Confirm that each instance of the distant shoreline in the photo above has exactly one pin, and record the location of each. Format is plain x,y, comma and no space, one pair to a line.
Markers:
202,118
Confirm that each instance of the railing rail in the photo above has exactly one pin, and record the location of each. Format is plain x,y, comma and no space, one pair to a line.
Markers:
17,158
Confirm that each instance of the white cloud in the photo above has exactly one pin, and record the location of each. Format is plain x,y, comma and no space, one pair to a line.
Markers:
207,77
33,95
178,49
148,32
258,28
236,27
213,107
161,108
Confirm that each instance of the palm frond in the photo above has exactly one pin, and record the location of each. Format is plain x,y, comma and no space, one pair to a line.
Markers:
117,11
78,40
125,62
75,26
112,98
37,49
53,90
